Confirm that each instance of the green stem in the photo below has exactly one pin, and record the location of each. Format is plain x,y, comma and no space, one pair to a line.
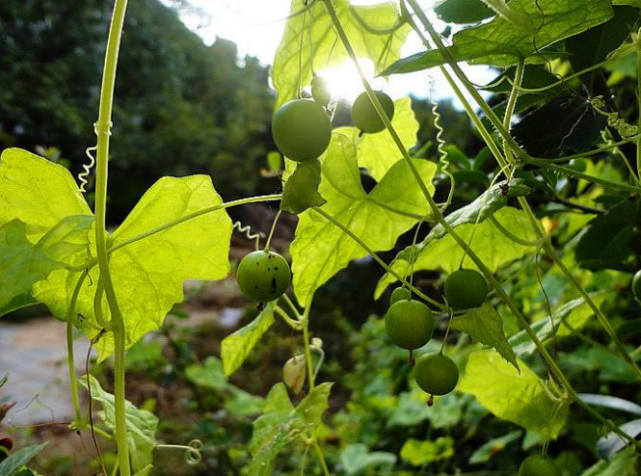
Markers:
376,258
71,361
639,107
73,381
103,131
288,320
448,228
575,173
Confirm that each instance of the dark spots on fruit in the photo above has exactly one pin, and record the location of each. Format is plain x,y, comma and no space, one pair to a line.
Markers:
276,269
269,269
273,285
255,287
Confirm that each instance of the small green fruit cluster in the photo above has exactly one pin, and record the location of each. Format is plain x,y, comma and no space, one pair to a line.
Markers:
465,289
263,276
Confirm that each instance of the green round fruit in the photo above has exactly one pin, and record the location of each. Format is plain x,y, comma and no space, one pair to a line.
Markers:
399,294
538,465
320,92
436,374
364,115
465,289
409,324
263,276
301,130
636,285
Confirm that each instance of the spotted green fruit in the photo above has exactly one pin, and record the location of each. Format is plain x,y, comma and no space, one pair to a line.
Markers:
538,465
399,294
320,92
636,285
436,374
364,115
409,324
263,276
465,289
301,130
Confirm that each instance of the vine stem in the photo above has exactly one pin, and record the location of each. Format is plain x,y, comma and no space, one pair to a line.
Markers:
603,320
103,131
448,228
311,376
639,103
71,361
376,258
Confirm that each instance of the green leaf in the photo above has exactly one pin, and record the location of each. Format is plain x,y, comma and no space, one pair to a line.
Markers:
419,453
374,31
513,396
463,11
280,425
492,247
593,46
624,463
210,375
494,446
632,3
378,152
22,264
575,312
19,302
37,192
301,188
485,326
357,459
141,424
20,458
518,19
502,43
148,275
320,249
236,347
482,208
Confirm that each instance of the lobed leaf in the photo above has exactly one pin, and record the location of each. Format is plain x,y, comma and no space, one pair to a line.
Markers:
492,247
148,275
502,43
320,249
511,395
375,31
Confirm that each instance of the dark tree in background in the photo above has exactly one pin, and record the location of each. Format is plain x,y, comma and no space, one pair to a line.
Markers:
182,107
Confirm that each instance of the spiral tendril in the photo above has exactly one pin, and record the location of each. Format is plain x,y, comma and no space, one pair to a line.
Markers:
193,454
443,160
83,176
615,121
247,231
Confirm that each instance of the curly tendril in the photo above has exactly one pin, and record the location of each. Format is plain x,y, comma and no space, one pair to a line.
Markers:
83,176
615,121
443,160
247,231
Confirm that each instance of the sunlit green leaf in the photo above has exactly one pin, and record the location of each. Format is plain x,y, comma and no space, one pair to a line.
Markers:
513,396
23,263
502,43
236,347
378,152
374,31
491,246
148,275
300,191
320,249
28,185
485,326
